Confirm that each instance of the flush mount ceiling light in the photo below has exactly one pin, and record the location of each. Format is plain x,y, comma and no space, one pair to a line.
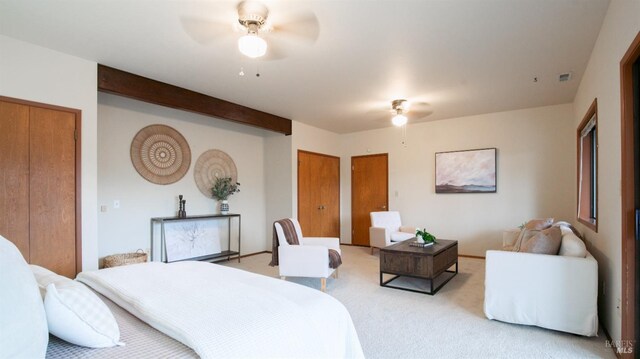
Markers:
252,15
399,107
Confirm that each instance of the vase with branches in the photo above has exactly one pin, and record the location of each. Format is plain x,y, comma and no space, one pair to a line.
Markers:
222,189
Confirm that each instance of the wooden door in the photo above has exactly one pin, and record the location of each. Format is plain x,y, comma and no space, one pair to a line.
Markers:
52,190
39,179
14,175
319,194
630,190
330,196
369,193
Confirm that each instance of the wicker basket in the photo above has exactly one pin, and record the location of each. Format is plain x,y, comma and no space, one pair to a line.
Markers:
115,260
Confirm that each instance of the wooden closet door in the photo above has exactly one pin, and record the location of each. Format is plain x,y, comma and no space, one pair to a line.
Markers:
330,197
14,175
318,194
309,183
53,190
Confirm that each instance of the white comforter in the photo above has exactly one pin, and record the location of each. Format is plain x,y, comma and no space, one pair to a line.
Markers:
226,312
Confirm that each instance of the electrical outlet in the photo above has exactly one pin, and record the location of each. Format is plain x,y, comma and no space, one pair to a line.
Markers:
116,204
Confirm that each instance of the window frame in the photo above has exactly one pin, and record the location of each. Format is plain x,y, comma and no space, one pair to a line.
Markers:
587,154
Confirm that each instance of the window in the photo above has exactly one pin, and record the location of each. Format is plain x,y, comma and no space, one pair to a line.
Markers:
588,168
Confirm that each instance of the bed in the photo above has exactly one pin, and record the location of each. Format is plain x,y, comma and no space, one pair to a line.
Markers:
142,341
190,309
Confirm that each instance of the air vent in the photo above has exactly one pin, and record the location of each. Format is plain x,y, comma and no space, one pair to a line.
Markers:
564,77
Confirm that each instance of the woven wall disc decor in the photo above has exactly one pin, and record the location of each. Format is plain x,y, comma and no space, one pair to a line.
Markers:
209,166
160,154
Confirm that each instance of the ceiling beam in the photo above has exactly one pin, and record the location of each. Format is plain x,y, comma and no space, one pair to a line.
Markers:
126,84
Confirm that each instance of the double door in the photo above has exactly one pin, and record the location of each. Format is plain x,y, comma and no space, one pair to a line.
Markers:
318,194
39,208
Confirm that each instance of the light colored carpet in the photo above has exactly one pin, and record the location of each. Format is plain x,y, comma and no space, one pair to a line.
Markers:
394,323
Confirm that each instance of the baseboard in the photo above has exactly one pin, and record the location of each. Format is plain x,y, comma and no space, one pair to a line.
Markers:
252,254
613,345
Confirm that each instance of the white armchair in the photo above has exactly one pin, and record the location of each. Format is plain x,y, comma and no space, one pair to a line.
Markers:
386,227
308,259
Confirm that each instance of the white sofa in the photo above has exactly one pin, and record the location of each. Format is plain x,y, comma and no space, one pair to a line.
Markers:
309,259
557,292
386,227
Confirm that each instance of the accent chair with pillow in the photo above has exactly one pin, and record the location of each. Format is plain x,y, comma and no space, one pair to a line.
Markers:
546,281
386,229
299,256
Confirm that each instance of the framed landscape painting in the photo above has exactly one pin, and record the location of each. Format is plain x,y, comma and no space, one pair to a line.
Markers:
470,171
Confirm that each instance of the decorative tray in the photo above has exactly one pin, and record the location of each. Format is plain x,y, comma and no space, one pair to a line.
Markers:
422,245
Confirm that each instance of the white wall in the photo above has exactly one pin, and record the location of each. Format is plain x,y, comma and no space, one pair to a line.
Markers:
534,175
127,228
279,185
602,81
34,73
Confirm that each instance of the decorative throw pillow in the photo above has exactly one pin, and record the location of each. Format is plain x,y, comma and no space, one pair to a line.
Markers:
524,236
539,224
76,314
44,277
567,226
23,325
543,242
572,246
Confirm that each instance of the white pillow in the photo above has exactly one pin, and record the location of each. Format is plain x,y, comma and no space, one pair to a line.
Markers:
572,246
23,325
76,314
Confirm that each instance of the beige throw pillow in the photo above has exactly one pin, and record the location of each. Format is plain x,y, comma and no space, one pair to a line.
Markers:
543,242
523,237
539,224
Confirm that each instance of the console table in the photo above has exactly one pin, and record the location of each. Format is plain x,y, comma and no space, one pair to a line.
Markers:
212,257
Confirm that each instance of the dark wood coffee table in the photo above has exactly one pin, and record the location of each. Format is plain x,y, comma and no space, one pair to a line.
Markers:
403,260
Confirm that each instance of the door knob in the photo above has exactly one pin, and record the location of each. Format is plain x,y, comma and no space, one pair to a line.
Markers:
384,207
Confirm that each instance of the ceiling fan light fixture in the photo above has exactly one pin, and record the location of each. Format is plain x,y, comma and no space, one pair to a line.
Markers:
399,120
252,45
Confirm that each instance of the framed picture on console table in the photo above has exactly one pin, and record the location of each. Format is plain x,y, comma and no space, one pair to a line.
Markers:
468,171
187,239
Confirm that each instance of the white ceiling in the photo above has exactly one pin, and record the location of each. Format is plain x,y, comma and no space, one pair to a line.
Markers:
461,57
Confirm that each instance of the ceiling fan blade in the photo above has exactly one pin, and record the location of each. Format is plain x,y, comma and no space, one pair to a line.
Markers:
205,31
419,116
303,26
275,51
381,112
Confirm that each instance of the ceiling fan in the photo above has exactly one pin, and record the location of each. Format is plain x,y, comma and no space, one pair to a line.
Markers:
266,34
402,110
399,107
